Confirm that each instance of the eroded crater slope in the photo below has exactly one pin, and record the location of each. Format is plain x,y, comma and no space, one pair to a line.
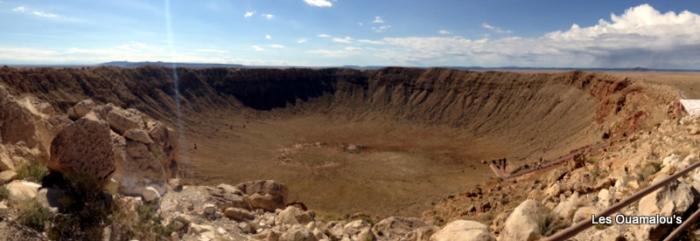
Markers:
385,142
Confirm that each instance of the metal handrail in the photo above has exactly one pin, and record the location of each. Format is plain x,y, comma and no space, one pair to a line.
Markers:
686,224
583,225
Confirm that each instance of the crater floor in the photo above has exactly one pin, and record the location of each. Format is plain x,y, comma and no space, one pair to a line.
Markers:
341,166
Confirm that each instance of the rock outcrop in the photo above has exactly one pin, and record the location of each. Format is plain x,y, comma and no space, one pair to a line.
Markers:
142,149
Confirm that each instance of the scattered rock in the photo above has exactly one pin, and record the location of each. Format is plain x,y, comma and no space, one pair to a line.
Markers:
584,213
150,194
567,207
297,233
393,228
463,230
238,214
420,234
209,210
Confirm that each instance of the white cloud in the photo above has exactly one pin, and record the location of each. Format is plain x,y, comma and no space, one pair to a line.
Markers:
337,53
343,40
493,28
131,51
268,16
319,3
249,14
381,28
258,48
444,32
323,35
302,40
37,13
379,25
268,37
641,36
368,41
276,46
19,9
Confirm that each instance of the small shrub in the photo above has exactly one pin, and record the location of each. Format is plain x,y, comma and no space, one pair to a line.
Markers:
649,169
32,171
4,193
598,172
552,224
33,215
144,224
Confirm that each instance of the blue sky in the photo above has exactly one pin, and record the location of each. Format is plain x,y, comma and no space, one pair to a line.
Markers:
655,34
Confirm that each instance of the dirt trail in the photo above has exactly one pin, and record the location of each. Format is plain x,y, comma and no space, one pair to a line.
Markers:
418,134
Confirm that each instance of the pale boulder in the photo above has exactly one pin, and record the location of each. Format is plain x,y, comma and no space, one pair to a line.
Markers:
20,190
122,120
463,230
81,108
527,222
293,215
139,135
150,194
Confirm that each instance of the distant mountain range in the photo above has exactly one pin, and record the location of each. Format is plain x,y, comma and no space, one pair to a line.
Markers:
128,64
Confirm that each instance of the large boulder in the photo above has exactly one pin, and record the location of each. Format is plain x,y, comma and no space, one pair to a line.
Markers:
225,196
83,150
527,222
122,120
265,194
293,215
463,230
81,109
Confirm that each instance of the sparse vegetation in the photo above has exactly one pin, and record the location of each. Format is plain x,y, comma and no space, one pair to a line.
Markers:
4,193
32,214
552,224
144,223
32,171
598,172
648,169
